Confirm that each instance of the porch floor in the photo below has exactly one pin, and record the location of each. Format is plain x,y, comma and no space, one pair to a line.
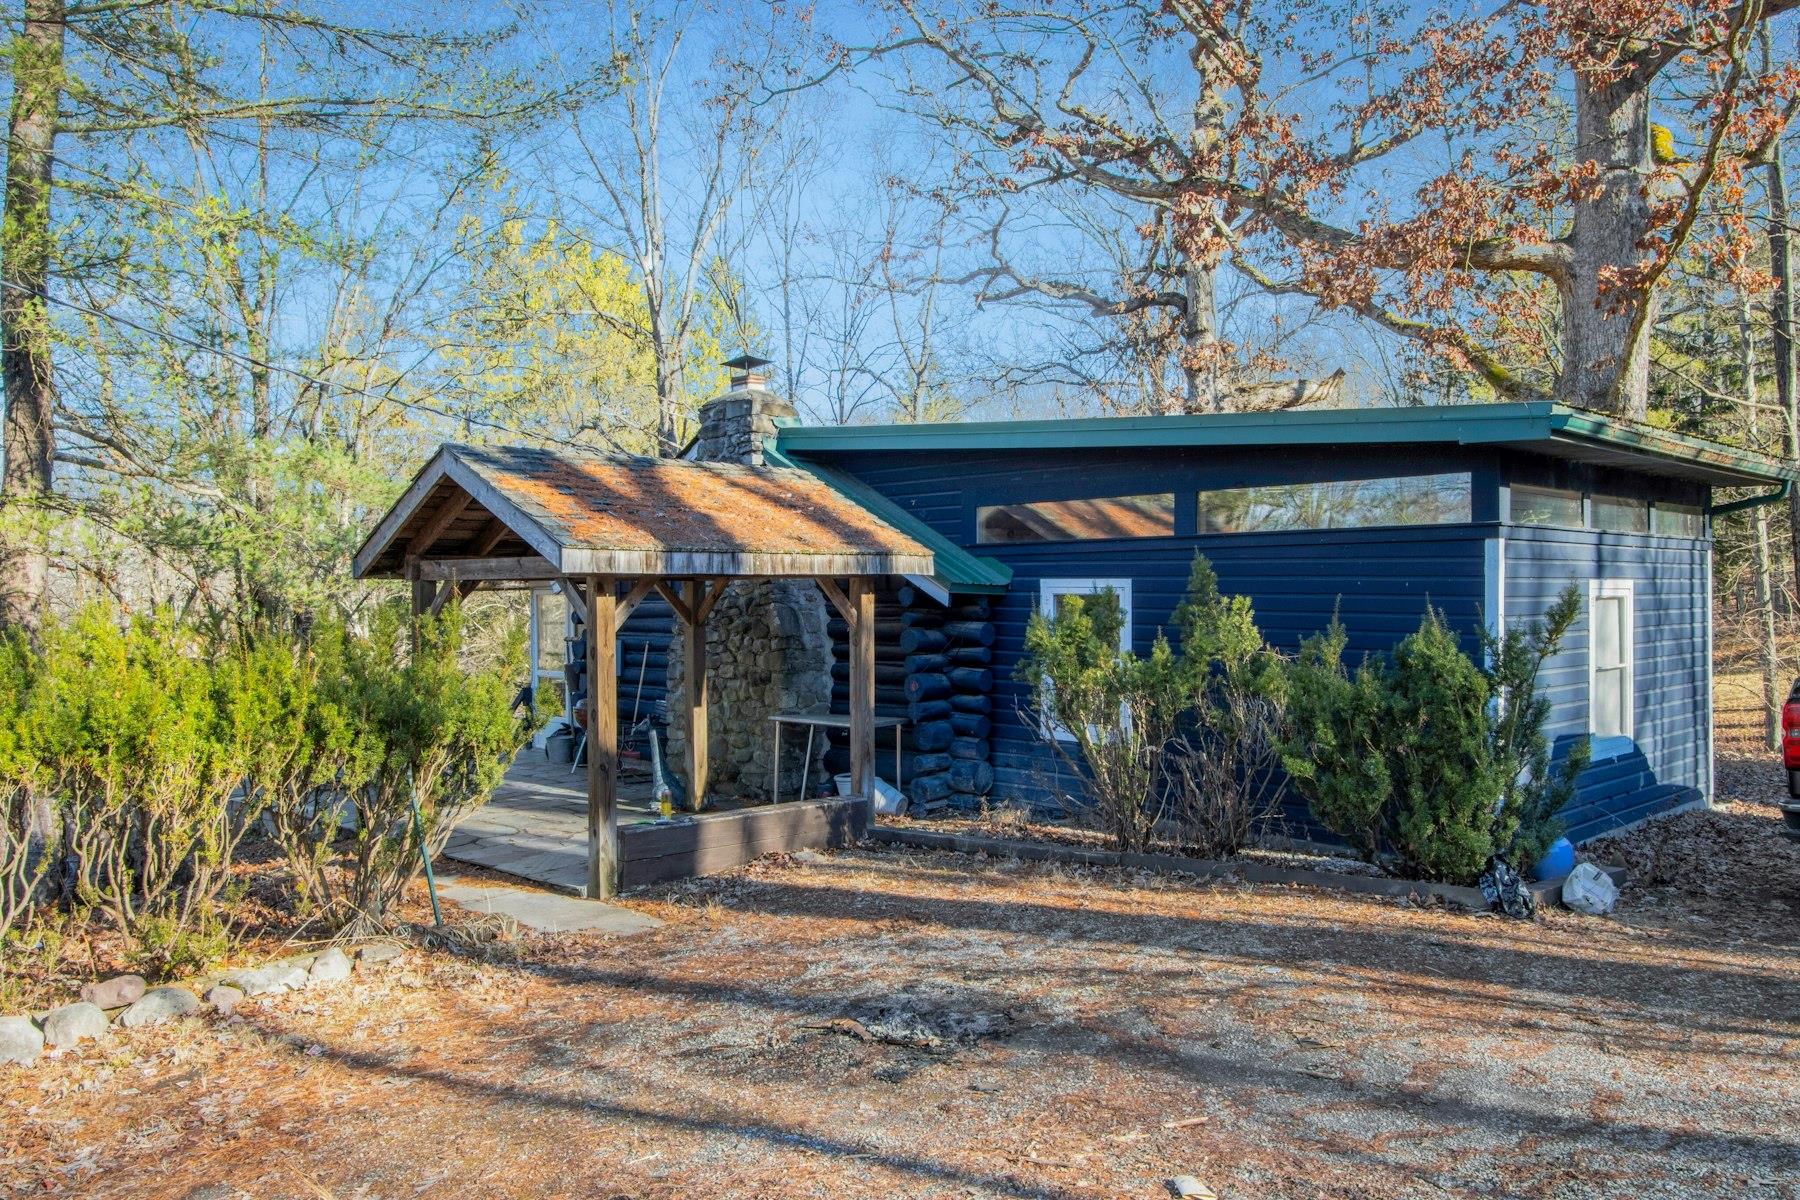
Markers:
535,824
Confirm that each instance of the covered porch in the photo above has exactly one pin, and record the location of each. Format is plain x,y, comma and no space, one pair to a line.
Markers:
535,827
613,530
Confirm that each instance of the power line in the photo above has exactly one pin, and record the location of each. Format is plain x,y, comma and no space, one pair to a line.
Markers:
293,372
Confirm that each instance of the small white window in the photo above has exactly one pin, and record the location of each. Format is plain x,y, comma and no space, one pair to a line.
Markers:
1610,634
1052,593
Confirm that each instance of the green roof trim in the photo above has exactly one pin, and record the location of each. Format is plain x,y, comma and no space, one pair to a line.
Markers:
1538,426
956,570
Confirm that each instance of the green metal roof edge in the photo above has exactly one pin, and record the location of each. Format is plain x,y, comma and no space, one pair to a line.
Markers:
1575,425
957,570
1467,424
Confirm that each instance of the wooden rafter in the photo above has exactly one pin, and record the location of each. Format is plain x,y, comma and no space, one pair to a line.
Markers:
432,530
491,535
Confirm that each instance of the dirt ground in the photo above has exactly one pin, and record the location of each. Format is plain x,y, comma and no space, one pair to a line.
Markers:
898,1024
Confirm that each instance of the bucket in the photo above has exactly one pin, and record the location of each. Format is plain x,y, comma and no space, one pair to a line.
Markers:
843,784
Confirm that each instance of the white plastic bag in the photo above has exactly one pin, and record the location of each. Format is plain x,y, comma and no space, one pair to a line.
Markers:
1590,890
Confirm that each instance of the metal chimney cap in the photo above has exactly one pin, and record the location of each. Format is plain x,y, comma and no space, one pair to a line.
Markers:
748,362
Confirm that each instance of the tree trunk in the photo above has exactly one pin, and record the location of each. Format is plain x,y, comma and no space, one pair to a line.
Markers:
1768,655
1599,370
30,444
1781,265
1200,340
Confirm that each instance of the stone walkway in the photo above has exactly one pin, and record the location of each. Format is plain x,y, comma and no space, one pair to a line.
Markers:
544,912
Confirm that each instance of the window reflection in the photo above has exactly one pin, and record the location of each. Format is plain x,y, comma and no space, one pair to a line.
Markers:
1077,520
1347,504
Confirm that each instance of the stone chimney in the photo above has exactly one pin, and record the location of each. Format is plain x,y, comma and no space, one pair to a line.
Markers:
768,645
736,424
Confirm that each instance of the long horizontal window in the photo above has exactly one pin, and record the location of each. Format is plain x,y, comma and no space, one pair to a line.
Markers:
1348,504
1076,520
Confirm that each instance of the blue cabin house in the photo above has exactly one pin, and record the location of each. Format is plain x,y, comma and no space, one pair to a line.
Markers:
1484,511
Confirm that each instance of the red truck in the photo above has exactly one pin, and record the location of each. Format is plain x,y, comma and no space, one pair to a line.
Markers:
1790,758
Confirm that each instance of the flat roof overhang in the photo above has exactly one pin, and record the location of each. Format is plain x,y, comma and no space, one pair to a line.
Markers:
1538,427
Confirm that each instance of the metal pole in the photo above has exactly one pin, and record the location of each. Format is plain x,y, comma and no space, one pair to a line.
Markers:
437,914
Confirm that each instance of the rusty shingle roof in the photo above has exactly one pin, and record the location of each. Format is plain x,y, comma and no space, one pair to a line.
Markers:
616,514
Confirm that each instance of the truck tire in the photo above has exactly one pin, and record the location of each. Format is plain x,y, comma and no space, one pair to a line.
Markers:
1794,784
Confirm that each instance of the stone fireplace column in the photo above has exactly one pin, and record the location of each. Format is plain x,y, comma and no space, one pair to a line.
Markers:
768,645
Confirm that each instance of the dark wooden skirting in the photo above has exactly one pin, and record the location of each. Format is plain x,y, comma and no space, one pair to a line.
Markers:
1250,871
653,852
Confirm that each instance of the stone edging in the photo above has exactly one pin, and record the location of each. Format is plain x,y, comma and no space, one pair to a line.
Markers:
1254,872
24,1038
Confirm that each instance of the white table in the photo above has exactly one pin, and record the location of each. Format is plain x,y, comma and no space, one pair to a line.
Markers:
815,722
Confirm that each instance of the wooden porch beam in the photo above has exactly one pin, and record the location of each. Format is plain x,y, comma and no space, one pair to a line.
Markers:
632,599
675,602
862,686
572,593
717,589
838,600
602,743
695,674
530,567
460,590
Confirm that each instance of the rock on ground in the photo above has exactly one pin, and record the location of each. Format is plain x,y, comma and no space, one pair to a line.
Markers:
116,992
20,1040
224,998
377,954
159,1005
330,966
71,1023
270,980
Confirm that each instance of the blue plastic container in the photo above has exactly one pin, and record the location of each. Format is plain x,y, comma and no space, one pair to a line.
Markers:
1558,861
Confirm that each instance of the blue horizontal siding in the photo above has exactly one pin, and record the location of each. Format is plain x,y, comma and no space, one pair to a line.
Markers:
1379,580
1665,764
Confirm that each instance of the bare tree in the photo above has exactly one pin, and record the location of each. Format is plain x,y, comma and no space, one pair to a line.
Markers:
1250,142
690,137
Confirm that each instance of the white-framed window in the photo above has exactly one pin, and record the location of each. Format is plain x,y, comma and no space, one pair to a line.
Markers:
1052,593
1611,633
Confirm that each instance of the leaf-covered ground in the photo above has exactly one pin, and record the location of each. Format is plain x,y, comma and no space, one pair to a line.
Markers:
891,1024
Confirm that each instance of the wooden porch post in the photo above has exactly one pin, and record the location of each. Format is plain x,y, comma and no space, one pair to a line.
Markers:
695,674
862,687
602,739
